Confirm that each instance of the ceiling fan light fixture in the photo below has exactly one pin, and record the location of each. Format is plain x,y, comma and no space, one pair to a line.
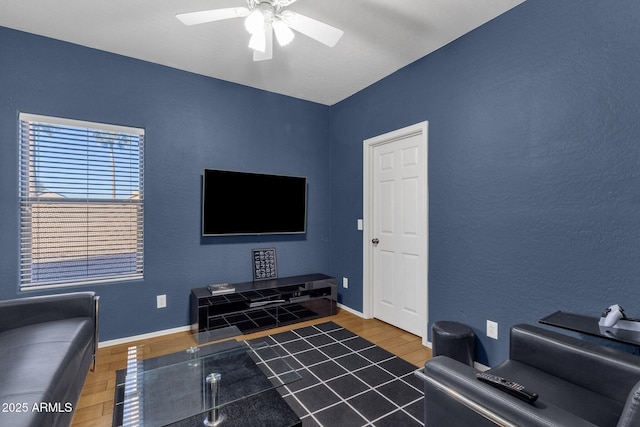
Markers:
255,22
284,34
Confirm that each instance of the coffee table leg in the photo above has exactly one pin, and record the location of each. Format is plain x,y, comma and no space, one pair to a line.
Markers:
213,418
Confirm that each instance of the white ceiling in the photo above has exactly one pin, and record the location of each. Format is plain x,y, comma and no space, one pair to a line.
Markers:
380,37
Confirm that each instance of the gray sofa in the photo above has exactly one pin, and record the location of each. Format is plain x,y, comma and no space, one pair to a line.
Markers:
47,345
579,384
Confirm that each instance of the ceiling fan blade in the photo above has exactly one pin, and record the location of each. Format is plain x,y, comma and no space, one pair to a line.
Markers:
268,50
324,33
193,18
284,3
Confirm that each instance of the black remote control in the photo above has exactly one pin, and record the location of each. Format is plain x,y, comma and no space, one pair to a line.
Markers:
510,387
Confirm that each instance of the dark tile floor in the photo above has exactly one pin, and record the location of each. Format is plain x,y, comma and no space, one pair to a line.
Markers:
347,380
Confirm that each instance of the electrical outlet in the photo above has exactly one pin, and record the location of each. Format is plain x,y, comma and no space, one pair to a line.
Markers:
345,282
161,301
492,329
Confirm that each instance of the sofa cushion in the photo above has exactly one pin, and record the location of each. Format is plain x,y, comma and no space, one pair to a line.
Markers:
554,391
39,364
450,382
603,370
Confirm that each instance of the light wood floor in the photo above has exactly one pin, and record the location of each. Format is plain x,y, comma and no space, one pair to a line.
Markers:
95,407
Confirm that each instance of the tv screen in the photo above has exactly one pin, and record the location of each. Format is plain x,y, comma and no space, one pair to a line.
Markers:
252,203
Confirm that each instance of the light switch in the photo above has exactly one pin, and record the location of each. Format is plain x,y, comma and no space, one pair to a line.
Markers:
161,301
492,329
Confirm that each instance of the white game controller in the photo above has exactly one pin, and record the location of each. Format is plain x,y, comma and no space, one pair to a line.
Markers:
612,315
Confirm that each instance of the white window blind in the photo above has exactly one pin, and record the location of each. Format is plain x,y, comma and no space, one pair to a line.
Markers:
81,202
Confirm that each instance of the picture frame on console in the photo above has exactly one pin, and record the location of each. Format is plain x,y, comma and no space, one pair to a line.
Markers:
265,266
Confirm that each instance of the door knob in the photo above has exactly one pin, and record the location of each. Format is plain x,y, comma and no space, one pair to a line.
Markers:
375,241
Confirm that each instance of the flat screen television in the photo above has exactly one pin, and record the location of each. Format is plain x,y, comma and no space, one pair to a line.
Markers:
237,203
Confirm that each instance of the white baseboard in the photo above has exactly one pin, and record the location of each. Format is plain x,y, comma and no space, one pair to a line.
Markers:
126,340
156,334
351,310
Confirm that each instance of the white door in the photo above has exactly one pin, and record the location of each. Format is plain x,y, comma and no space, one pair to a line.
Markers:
398,218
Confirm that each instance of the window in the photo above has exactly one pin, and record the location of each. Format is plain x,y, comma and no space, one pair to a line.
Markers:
81,202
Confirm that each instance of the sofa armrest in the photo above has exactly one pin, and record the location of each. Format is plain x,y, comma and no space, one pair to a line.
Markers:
31,310
631,413
612,373
474,402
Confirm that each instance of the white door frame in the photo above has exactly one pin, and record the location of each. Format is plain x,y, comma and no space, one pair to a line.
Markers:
367,273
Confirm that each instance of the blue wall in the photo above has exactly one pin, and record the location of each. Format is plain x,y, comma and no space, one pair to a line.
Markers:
534,166
191,122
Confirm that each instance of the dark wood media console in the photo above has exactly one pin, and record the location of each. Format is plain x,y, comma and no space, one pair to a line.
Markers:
255,306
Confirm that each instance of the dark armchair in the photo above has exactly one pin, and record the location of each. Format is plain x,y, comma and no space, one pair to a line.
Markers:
579,384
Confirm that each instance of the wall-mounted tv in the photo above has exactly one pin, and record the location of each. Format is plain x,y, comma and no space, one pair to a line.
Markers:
236,203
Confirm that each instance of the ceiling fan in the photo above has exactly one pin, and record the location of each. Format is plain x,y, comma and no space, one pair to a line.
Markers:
263,19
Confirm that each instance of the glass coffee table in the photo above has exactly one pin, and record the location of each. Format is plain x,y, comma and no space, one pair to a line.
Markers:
223,384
